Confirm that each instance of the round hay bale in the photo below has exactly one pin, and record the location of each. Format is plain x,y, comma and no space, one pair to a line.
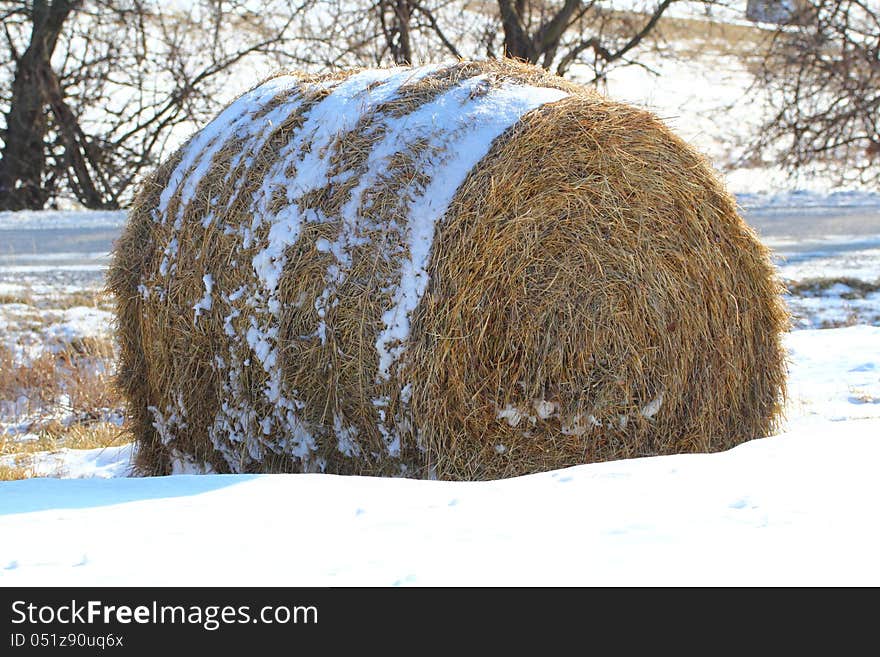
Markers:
465,271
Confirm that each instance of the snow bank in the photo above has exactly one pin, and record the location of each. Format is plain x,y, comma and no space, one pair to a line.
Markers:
795,509
834,374
100,463
798,509
79,322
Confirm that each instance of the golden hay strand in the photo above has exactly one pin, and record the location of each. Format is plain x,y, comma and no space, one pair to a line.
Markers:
593,294
595,281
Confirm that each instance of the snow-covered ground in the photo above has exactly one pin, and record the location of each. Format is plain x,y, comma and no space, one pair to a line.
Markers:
796,508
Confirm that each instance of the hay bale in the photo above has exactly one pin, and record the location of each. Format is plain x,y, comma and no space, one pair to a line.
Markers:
466,271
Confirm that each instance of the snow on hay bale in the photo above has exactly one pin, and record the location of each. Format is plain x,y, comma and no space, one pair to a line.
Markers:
465,271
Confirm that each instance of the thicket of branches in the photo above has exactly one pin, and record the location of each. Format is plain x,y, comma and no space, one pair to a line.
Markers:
822,82
93,93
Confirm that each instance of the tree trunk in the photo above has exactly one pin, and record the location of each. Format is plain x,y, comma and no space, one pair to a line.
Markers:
517,43
23,158
76,146
402,12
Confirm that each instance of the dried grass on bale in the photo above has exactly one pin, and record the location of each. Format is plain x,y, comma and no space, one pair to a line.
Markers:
295,292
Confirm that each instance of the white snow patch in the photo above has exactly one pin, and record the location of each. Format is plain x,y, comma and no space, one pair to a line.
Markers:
99,463
199,152
336,114
651,409
757,518
511,414
834,374
205,302
345,437
461,124
545,409
184,464
166,423
79,322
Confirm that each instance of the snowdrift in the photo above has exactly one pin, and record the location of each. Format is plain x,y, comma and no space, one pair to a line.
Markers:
752,516
463,271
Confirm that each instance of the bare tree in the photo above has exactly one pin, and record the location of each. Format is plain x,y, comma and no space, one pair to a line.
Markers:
555,34
409,31
822,88
559,34
23,157
101,88
395,17
95,92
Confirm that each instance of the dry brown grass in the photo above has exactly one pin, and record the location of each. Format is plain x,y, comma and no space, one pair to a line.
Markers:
591,262
81,376
90,298
82,371
53,435
23,298
62,396
859,288
36,381
694,37
20,456
17,471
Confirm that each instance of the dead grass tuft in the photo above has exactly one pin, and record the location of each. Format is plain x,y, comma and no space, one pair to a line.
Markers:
54,435
81,371
858,288
65,399
19,457
90,298
17,471
23,298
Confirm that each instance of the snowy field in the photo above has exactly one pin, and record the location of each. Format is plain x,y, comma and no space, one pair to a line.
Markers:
797,508
790,510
